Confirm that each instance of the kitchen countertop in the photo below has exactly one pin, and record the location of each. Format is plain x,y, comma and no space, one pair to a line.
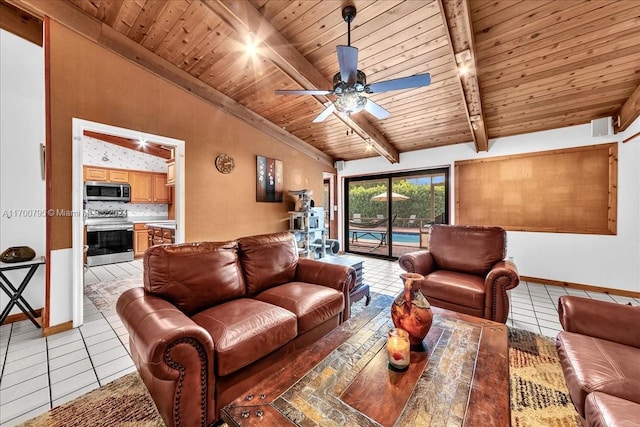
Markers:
167,224
149,219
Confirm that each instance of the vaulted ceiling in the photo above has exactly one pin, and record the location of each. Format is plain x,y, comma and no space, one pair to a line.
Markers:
532,65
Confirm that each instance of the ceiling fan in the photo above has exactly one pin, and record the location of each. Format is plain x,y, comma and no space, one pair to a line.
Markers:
350,84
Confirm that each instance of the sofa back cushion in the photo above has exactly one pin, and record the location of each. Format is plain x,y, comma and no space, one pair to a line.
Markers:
268,260
194,276
467,249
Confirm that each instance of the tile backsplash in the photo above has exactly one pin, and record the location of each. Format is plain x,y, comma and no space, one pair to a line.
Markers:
133,209
103,154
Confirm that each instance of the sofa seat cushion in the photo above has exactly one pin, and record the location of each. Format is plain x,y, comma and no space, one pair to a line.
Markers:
312,304
461,288
603,410
245,330
591,364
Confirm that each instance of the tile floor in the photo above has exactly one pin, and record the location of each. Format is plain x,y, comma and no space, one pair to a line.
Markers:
37,374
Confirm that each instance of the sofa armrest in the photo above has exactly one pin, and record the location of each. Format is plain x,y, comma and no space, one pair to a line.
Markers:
600,319
502,277
339,277
171,353
420,262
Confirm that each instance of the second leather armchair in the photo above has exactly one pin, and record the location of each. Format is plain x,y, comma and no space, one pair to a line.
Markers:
465,270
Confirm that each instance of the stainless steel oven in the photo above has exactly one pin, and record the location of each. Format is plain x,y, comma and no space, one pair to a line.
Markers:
109,240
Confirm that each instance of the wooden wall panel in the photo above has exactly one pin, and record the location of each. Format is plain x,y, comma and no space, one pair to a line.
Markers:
565,191
92,83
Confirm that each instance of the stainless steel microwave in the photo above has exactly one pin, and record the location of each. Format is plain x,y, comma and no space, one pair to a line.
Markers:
107,191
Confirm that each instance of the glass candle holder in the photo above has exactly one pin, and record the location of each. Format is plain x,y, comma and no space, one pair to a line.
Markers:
398,349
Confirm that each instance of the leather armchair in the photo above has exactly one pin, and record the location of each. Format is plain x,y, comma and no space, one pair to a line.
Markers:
465,271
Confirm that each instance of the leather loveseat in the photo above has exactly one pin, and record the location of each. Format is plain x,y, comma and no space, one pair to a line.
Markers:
599,352
465,271
215,318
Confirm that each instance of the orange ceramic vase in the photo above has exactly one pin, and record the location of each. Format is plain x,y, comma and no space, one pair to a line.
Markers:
411,311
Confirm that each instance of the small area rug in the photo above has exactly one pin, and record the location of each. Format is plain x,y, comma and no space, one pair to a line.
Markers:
539,397
104,295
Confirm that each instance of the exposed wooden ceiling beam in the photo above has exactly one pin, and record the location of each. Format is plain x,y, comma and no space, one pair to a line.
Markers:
148,147
74,18
20,23
628,112
460,33
247,21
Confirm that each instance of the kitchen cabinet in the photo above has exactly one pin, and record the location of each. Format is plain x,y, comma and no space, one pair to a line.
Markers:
171,172
148,187
140,239
160,189
158,235
141,187
93,173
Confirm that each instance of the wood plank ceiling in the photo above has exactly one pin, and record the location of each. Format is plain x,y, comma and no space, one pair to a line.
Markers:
533,65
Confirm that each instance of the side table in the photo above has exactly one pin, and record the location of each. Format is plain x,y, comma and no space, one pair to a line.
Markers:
359,290
15,294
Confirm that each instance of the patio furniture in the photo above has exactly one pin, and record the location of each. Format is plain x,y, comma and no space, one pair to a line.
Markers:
377,229
411,222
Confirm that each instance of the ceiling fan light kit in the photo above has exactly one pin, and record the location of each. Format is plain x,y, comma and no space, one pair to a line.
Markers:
350,84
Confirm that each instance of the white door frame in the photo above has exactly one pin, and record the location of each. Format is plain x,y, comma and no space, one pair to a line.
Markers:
79,126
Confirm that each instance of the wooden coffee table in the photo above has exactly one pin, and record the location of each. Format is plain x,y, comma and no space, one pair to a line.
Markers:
343,379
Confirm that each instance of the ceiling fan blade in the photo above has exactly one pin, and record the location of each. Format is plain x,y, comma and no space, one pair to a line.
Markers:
326,113
401,83
348,61
375,109
304,92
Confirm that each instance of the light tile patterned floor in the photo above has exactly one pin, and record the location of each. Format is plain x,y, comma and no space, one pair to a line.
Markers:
37,374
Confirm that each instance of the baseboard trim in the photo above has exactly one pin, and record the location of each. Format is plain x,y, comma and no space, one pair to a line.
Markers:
589,288
18,317
57,328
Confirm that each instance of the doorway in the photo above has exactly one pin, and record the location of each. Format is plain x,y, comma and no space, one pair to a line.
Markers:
391,214
79,128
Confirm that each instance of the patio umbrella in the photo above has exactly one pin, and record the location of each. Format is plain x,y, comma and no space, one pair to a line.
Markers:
382,197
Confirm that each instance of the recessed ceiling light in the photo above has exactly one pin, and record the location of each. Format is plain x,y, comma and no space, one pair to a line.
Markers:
251,45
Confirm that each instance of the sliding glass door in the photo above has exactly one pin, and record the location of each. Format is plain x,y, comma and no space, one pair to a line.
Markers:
388,215
367,225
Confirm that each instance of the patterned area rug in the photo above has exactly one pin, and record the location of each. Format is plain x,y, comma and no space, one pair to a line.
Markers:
104,295
539,397
123,402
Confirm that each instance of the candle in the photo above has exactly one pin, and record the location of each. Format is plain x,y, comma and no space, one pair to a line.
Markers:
398,349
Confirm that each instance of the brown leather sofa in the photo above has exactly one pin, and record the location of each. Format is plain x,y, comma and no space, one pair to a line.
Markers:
215,318
465,271
599,351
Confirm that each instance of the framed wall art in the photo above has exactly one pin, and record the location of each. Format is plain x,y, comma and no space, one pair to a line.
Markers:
269,180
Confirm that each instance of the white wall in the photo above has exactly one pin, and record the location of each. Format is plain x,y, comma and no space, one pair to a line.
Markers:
22,189
597,260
